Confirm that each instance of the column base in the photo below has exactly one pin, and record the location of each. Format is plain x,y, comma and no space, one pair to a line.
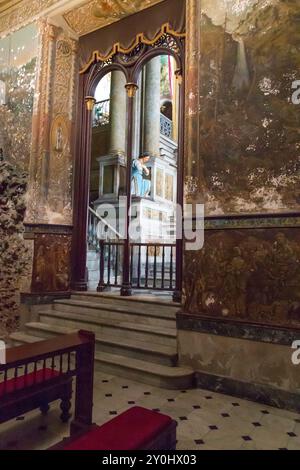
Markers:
79,286
126,290
177,296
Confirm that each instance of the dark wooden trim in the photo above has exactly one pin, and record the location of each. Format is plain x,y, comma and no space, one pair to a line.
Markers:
177,296
249,331
81,191
126,290
87,86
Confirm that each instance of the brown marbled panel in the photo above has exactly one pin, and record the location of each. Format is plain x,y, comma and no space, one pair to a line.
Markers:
250,274
51,265
248,129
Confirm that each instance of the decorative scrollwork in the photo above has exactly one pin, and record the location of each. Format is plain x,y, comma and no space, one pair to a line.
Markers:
168,42
131,57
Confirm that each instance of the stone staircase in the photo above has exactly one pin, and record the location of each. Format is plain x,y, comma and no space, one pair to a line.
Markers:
136,337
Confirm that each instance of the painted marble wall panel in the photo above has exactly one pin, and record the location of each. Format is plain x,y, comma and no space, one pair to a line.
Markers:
51,267
18,61
247,274
249,128
49,198
239,359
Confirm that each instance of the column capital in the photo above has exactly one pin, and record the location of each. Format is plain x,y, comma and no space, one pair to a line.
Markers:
90,102
131,89
178,76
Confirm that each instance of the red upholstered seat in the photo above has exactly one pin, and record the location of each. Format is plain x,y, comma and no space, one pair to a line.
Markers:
129,431
19,383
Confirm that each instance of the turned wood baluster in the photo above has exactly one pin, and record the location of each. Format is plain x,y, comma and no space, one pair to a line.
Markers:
84,384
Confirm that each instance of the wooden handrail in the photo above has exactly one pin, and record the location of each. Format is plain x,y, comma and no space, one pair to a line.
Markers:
20,355
80,344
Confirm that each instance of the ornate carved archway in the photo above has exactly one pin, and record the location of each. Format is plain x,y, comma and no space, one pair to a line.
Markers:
130,62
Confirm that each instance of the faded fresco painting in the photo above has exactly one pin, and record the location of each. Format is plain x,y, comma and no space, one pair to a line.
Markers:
249,129
51,268
252,275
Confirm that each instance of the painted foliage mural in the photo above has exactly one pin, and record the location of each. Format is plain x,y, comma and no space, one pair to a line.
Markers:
252,275
249,130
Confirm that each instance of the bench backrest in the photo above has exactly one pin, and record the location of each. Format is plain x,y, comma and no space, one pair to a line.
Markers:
69,355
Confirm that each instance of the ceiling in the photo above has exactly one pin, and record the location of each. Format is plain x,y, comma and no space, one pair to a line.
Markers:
7,4
95,14
77,16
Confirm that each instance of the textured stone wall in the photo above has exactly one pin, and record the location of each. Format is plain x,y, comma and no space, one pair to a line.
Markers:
13,253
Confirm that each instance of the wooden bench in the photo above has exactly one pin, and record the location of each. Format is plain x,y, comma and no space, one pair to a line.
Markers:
47,371
135,429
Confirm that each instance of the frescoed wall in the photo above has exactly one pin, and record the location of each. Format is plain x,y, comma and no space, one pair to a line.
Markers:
246,274
243,160
249,129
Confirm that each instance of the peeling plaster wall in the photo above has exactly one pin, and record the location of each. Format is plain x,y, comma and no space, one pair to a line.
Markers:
248,361
249,141
242,161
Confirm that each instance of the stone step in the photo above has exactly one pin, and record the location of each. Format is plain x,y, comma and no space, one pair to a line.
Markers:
152,374
127,367
47,331
20,337
139,302
150,316
109,326
155,353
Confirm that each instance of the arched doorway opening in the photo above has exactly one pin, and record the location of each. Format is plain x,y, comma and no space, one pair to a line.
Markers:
140,162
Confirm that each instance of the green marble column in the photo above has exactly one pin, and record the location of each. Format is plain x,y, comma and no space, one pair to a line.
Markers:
152,107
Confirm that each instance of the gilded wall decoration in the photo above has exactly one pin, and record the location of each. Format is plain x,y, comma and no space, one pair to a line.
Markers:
99,13
251,275
18,68
27,11
49,197
51,267
248,154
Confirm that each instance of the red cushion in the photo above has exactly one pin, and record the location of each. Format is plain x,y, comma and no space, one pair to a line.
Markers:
27,380
129,431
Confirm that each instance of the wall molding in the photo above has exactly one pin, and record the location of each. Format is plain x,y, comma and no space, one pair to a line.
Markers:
28,298
284,220
264,394
274,334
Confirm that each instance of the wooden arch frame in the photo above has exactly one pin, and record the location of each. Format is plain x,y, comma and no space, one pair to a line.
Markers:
131,64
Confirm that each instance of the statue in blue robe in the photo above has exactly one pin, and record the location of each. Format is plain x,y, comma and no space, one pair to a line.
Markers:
139,185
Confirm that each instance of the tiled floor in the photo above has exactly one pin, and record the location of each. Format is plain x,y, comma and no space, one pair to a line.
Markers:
206,420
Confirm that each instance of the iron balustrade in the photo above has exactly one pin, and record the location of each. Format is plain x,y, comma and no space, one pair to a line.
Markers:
152,265
166,126
101,113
